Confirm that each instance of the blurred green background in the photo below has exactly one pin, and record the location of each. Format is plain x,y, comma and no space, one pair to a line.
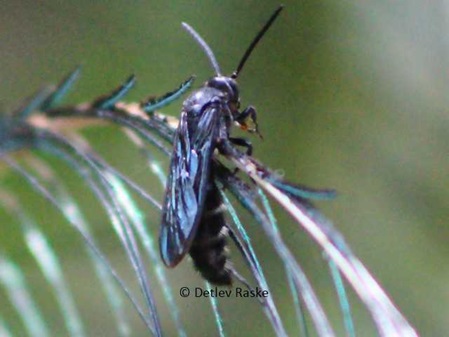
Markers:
350,95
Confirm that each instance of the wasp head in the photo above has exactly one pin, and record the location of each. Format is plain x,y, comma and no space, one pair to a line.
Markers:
227,86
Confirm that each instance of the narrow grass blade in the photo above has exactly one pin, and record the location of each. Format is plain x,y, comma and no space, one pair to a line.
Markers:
109,101
157,103
343,300
51,268
300,315
217,315
4,329
32,104
12,279
61,90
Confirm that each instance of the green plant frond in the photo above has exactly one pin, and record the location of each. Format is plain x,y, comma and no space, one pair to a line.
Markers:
152,133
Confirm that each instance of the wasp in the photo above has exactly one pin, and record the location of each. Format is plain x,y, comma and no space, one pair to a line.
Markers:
192,216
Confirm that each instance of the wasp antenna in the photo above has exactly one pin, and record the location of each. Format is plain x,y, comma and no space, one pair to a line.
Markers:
256,40
204,46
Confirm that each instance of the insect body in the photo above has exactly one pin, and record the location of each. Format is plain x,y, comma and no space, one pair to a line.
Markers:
192,219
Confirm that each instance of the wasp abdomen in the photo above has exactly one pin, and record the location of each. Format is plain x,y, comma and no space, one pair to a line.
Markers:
208,250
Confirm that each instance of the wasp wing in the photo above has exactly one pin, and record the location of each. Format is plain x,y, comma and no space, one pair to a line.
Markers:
187,183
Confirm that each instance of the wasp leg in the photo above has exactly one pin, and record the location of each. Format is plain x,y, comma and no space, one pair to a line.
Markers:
244,143
249,111
248,120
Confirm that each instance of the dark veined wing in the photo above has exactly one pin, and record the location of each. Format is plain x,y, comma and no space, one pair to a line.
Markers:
187,182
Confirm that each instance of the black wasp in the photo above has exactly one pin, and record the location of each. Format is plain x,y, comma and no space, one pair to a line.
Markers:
192,217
